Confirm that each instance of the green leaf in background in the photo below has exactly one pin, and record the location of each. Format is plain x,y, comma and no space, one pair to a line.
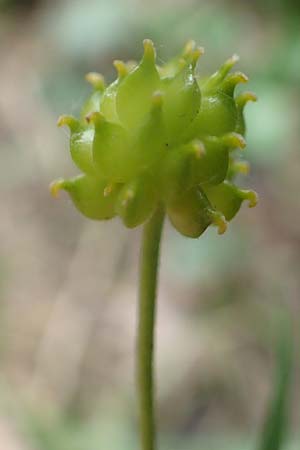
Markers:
274,432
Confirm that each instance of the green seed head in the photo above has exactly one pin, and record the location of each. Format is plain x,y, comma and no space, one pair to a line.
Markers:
161,134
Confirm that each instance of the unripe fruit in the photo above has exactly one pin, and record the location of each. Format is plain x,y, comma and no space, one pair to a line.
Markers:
181,102
218,112
81,143
241,102
134,95
160,135
177,169
136,201
227,198
110,149
212,166
89,196
191,213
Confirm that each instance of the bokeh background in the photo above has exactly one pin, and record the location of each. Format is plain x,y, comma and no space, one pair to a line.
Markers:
68,285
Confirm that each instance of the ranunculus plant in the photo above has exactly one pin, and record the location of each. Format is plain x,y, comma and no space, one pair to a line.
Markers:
159,141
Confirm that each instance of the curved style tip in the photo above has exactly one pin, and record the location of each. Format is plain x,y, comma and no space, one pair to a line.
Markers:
189,48
56,186
242,167
69,121
218,78
231,81
149,51
96,80
219,221
252,197
240,77
228,64
249,195
195,55
244,98
121,68
234,140
191,52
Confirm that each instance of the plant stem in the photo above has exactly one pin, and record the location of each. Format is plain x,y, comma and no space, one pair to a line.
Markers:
149,262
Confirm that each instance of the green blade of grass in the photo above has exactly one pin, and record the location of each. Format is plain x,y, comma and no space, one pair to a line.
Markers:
275,428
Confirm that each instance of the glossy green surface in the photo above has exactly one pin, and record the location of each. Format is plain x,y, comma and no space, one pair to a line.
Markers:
89,196
161,134
227,198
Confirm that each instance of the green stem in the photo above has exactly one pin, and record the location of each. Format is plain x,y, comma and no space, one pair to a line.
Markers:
146,319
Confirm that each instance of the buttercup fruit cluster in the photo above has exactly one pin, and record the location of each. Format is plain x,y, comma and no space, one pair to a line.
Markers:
161,134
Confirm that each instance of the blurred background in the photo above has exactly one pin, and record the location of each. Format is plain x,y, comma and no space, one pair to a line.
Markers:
68,285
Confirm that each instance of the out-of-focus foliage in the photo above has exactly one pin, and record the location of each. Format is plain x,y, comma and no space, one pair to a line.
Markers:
17,5
275,430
